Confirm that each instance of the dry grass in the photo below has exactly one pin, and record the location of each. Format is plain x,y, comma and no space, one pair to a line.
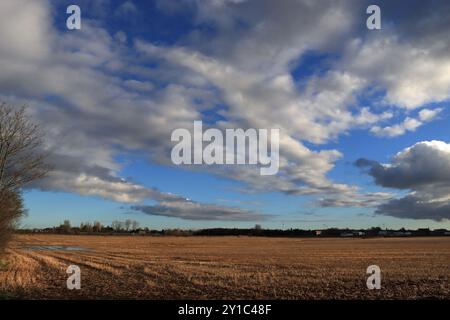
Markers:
227,268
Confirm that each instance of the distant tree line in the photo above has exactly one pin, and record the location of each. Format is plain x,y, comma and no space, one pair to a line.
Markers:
127,226
132,227
330,232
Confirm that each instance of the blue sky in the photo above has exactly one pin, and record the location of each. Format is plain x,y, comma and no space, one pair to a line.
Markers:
109,96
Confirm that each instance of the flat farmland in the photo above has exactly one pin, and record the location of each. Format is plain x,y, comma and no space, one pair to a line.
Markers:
140,267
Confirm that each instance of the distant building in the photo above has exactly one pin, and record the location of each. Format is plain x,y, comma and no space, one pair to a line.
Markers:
318,232
401,233
347,234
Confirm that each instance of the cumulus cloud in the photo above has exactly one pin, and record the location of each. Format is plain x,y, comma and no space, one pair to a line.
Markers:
425,163
423,168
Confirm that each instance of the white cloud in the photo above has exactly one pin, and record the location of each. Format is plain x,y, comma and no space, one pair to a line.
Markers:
127,9
411,75
121,37
426,115
409,124
25,30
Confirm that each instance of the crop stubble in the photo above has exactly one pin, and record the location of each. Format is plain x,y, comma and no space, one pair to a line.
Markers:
141,267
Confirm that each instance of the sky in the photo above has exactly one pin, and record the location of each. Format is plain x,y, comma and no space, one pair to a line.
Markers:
363,114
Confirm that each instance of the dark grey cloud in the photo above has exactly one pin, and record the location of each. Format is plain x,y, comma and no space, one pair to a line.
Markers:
191,210
363,200
425,163
423,21
424,169
415,207
362,163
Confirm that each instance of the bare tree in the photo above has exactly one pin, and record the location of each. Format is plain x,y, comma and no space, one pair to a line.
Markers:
117,225
21,162
134,225
87,227
98,226
66,226
128,224
21,156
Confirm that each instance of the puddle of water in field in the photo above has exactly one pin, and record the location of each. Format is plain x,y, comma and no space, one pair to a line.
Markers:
57,248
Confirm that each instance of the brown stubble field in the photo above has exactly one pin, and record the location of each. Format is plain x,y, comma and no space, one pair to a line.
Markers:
138,267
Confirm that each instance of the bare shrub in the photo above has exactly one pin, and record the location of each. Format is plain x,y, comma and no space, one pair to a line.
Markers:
11,209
